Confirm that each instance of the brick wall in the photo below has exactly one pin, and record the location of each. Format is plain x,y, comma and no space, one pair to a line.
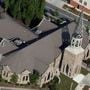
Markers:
73,3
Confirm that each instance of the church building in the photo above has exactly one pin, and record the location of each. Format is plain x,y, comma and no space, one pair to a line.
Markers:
48,48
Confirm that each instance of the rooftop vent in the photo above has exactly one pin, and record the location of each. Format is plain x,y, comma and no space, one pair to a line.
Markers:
17,41
37,31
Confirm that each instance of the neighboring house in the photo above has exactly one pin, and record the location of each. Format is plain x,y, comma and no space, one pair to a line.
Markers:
81,4
47,48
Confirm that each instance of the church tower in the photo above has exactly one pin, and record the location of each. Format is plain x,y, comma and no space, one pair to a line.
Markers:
74,53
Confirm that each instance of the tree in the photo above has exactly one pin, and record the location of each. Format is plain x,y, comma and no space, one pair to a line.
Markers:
34,77
53,85
14,78
56,13
7,4
29,11
0,77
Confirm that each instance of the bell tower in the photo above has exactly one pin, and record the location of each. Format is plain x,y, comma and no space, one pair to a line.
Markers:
74,53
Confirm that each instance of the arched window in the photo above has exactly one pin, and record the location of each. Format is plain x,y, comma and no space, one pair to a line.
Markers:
4,73
48,76
76,44
23,78
7,75
67,69
85,3
73,40
80,44
80,1
72,44
52,75
26,78
87,53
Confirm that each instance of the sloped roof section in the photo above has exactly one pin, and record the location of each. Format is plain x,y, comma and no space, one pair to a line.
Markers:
35,56
41,53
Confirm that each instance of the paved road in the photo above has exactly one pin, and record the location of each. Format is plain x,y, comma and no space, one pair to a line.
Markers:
65,13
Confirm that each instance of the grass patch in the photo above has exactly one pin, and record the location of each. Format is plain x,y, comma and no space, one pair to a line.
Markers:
84,71
66,83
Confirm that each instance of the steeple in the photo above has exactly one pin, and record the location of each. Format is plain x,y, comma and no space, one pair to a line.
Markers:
79,25
78,32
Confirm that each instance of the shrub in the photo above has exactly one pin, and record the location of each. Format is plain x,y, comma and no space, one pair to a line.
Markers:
14,78
34,77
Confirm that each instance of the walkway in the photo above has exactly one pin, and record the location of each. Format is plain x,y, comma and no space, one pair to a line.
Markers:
12,88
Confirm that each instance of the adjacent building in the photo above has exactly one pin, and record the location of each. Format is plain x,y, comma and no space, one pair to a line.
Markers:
81,4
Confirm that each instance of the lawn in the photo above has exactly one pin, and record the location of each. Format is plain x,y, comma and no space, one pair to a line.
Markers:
84,71
66,83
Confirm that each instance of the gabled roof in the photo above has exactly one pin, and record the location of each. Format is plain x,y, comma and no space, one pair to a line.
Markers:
39,54
7,47
35,56
42,52
11,29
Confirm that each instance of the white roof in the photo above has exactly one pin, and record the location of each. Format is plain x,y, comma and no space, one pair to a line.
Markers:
86,80
78,78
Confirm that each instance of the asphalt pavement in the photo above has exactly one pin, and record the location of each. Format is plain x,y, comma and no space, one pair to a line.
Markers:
65,13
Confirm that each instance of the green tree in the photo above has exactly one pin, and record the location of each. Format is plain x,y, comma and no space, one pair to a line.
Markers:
29,11
14,78
53,85
0,77
34,77
7,4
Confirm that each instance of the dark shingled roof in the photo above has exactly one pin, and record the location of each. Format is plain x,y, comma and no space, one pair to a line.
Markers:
42,52
7,47
35,56
11,29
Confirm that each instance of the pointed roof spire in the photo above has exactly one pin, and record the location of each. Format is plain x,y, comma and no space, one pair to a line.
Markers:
79,25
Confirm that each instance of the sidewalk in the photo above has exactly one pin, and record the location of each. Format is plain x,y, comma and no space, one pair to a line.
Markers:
12,88
59,5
